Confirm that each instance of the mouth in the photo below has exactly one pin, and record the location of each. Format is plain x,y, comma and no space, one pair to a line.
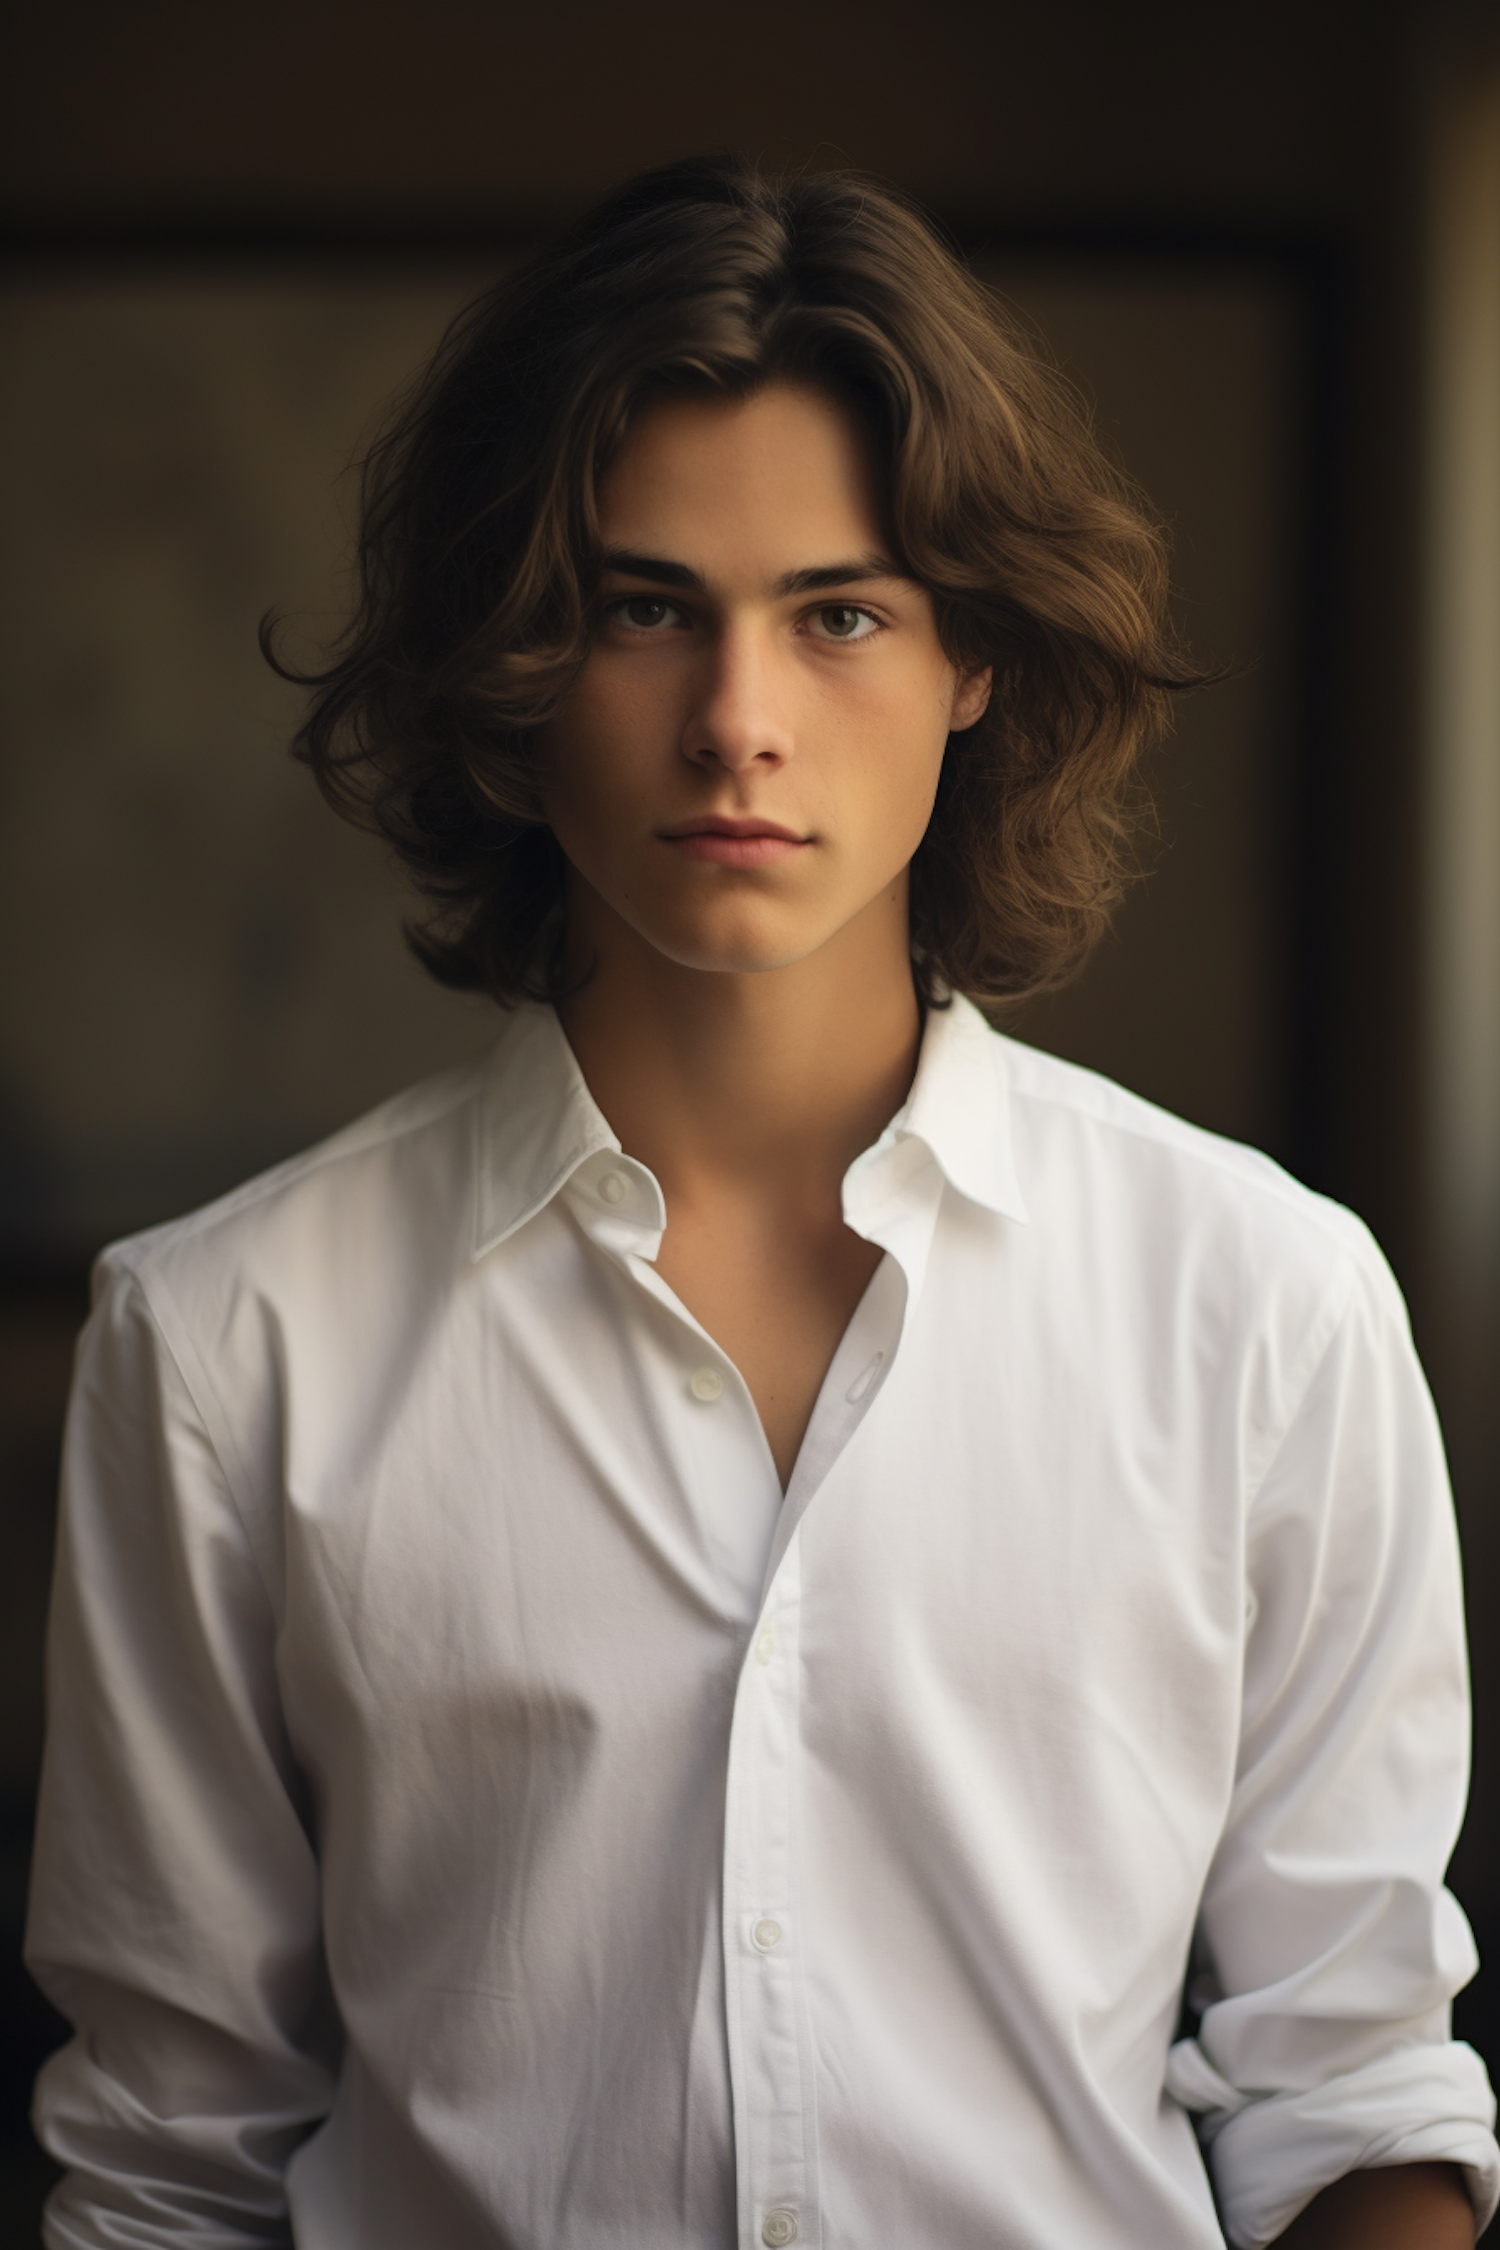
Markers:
726,842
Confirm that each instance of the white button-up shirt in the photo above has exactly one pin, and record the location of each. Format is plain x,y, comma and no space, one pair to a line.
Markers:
482,1812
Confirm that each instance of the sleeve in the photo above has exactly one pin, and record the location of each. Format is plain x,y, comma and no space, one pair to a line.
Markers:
1330,1945
175,1905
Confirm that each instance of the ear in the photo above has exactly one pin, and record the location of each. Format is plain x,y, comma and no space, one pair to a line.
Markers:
971,699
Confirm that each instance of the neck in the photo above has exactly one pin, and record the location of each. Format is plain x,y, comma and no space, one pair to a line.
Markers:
777,1077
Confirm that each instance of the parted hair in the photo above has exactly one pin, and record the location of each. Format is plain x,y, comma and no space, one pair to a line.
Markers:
478,564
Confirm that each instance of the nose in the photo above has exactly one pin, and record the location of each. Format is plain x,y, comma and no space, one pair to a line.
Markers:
739,721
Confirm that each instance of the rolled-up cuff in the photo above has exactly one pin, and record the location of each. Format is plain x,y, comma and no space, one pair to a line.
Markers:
1270,2154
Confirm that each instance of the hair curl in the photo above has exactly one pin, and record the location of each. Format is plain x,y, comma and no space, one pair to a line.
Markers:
477,563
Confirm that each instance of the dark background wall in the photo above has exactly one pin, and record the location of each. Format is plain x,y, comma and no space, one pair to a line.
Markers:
230,236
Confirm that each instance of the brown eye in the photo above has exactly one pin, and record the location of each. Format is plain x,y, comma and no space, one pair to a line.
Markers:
841,621
649,614
645,611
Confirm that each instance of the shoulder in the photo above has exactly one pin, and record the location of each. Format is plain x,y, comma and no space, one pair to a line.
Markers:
1189,1199
405,1167
1202,1262
289,1303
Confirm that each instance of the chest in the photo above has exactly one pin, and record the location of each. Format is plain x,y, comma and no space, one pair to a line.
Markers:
1028,1545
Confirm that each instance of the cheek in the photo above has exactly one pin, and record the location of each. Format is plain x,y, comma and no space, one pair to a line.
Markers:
893,762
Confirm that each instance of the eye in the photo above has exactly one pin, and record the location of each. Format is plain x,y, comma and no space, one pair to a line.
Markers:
645,613
841,621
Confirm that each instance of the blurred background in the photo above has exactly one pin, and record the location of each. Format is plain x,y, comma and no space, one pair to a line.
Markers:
1266,244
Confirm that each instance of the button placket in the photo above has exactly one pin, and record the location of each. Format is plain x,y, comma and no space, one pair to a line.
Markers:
728,1479
770,2058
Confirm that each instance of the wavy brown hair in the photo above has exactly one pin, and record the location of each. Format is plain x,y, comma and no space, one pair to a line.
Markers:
478,563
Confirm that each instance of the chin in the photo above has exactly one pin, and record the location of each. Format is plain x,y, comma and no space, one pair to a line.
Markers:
736,951
734,961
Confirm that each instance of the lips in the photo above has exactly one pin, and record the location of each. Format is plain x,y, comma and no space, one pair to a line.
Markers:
727,842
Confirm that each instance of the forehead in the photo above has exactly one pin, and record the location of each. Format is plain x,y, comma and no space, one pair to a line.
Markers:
782,479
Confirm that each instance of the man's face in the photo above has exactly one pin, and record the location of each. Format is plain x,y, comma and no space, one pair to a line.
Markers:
749,759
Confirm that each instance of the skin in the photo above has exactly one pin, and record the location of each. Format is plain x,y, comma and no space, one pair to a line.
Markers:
749,1022
1405,2207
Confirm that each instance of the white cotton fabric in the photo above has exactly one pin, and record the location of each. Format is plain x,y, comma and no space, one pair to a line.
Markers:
481,1811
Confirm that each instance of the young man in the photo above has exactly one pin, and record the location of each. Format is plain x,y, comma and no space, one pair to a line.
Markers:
666,1643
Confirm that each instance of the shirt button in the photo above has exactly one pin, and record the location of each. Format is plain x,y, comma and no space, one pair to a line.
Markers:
766,1934
707,1384
612,1187
765,1646
779,2227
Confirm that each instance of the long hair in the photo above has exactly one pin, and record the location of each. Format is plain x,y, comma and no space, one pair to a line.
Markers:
479,547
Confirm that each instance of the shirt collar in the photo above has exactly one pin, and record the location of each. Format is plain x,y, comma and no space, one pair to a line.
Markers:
958,1113
538,1122
959,1106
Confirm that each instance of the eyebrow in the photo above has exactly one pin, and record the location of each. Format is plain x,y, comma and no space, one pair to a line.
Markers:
659,571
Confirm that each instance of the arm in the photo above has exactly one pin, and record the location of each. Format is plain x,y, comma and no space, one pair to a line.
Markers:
1325,2050
1407,2207
175,1895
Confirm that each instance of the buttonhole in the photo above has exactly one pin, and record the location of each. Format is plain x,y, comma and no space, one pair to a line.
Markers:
862,1381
